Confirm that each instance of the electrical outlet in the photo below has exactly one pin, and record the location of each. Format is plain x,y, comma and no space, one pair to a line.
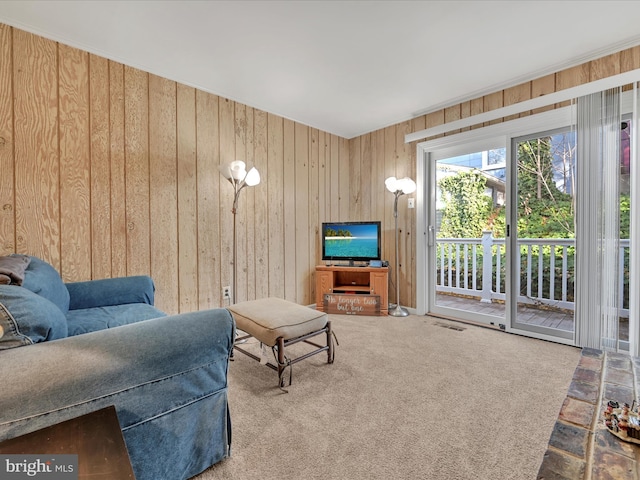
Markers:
226,292
411,203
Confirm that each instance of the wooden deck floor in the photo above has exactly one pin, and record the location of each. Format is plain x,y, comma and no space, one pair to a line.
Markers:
528,314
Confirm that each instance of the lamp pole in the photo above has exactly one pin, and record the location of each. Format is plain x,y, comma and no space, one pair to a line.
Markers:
234,211
398,311
398,187
237,175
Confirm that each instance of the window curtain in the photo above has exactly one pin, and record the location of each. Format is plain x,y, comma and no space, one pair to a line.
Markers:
598,290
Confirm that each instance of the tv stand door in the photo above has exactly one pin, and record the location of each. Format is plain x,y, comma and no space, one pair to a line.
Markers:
324,284
380,286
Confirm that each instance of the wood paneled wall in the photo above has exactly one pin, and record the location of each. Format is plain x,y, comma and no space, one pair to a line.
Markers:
382,153
106,170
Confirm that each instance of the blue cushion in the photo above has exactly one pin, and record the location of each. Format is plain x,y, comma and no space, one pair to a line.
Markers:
85,320
27,318
110,291
43,279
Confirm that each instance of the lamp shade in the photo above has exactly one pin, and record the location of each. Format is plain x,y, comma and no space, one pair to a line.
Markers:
238,169
391,184
404,185
407,185
253,177
225,170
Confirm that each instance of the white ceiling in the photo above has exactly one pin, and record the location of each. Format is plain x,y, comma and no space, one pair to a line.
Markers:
345,67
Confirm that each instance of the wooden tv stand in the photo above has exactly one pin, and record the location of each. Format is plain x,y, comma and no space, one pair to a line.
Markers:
342,280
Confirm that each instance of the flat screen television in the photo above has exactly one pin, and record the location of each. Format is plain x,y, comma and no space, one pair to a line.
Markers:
351,241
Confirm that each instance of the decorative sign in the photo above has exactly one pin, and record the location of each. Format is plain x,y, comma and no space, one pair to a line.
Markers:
352,304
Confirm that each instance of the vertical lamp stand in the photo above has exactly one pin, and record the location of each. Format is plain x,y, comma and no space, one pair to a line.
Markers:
239,178
398,187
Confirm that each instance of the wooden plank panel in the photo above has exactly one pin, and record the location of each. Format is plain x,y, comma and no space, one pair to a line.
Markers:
251,207
314,211
451,114
136,90
7,193
163,192
118,182
302,214
630,59
245,207
334,179
605,67
465,111
543,86
572,77
75,167
261,215
227,154
366,187
355,158
434,119
381,195
323,182
517,94
36,145
275,201
344,181
493,101
289,182
209,211
405,215
477,107
324,190
187,199
244,151
100,171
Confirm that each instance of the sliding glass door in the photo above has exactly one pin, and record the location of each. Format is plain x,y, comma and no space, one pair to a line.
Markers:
501,232
500,229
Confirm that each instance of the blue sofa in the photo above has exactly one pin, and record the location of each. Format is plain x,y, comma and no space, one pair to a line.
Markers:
69,349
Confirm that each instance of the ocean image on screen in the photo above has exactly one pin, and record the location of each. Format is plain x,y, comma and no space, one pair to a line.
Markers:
351,241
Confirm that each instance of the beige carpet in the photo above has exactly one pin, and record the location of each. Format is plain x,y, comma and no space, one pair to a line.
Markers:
405,399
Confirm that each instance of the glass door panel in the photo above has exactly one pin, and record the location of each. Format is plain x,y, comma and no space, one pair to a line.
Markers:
544,235
467,241
625,229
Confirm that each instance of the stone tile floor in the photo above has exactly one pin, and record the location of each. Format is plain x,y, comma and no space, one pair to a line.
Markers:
580,446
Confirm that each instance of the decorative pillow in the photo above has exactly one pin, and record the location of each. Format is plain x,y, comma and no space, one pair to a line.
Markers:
41,278
27,318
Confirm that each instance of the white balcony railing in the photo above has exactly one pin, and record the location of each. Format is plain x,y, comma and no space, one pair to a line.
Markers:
546,270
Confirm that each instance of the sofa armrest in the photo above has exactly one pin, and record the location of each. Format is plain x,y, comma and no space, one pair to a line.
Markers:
167,378
111,291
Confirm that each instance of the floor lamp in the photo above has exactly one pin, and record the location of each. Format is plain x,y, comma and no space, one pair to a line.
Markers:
236,173
398,187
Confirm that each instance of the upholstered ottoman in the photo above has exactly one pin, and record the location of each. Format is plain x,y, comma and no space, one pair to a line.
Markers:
278,324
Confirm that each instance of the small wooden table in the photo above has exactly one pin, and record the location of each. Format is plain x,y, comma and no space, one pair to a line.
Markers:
95,437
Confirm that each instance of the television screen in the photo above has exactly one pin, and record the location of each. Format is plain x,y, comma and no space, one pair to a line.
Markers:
352,241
